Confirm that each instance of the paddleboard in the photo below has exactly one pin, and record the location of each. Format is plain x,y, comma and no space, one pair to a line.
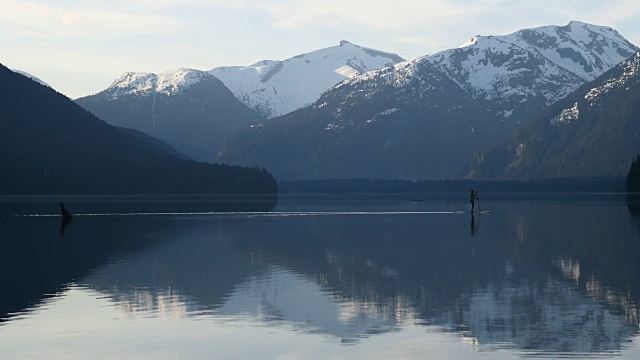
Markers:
474,212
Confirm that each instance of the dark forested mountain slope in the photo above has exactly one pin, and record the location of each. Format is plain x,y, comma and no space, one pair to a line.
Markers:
424,118
593,132
190,109
50,145
32,77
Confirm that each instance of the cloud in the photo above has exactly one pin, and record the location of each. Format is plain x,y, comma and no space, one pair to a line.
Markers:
441,17
334,13
407,14
600,12
377,14
398,17
47,21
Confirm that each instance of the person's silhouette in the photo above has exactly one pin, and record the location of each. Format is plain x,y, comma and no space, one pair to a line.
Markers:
473,197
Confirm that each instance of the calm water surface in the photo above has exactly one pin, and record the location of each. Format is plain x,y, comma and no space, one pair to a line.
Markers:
317,277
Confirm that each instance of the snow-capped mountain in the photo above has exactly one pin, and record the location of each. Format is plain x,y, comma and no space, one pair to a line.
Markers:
170,82
34,78
274,88
422,119
593,132
546,63
190,109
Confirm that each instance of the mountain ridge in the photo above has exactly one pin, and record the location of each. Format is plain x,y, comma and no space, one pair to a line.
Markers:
32,77
50,145
169,82
272,87
593,132
422,119
190,109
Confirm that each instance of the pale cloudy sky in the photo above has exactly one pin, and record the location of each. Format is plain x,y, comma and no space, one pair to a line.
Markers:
81,46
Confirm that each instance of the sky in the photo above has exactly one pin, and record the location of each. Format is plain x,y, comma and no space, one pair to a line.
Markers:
80,47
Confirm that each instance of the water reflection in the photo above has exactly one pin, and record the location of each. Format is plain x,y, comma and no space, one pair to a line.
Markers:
473,225
541,278
633,204
41,255
354,277
63,225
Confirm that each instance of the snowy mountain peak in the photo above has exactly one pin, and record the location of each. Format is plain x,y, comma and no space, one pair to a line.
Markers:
172,82
169,82
584,49
575,24
548,62
133,83
277,87
34,78
425,118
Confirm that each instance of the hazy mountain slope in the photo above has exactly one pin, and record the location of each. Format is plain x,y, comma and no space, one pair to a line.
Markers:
359,139
274,88
190,109
50,145
156,142
593,132
424,118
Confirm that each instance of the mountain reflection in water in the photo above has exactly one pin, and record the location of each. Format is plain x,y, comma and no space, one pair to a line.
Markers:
545,278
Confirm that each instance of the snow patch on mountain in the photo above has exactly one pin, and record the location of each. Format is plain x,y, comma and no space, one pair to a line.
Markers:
382,114
34,78
583,49
566,116
472,41
133,84
170,82
347,71
278,87
631,71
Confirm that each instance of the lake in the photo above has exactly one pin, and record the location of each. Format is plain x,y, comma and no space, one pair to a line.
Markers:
320,276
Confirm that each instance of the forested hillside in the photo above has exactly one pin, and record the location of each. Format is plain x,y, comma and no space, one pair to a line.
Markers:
50,145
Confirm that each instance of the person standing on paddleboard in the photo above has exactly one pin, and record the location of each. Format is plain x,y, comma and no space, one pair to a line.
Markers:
473,197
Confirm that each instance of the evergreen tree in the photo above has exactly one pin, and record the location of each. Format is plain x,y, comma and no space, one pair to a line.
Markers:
633,178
